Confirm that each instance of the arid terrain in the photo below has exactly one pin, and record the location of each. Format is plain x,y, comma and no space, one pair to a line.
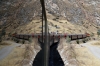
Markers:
79,55
63,16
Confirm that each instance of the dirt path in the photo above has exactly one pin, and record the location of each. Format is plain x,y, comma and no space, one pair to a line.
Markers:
94,49
4,52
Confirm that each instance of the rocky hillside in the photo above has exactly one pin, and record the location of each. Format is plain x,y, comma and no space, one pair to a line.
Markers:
71,16
14,13
76,11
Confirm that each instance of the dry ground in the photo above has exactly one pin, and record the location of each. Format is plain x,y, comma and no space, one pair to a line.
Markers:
64,26
85,57
3,44
72,54
77,55
12,59
21,55
97,43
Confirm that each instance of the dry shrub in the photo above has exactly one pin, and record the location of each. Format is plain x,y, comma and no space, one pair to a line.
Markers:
14,58
5,43
97,43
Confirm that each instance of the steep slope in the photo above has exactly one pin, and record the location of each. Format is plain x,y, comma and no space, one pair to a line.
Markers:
60,25
14,13
76,11
71,16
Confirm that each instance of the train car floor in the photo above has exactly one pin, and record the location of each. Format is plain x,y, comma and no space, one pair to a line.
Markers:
54,57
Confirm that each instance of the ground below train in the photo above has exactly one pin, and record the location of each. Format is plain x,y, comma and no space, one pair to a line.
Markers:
71,54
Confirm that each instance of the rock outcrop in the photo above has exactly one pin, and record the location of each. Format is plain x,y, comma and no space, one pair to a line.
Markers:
15,15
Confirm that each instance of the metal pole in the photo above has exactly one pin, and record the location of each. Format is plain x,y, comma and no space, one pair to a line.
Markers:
42,23
42,56
46,43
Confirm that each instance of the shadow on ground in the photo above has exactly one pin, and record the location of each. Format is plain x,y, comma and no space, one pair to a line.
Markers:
54,57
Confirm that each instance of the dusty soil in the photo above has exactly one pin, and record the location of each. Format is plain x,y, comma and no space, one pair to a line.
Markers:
97,43
64,26
4,44
66,53
71,54
21,55
85,57
1,46
77,55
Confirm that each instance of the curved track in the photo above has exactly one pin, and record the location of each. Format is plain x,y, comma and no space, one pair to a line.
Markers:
54,57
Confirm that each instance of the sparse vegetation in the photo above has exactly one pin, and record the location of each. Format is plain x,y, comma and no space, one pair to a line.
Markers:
9,34
89,38
84,41
80,30
23,41
85,58
3,33
14,14
4,43
19,55
92,34
98,32
54,19
68,39
96,43
30,39
77,41
57,17
0,38
13,38
17,40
